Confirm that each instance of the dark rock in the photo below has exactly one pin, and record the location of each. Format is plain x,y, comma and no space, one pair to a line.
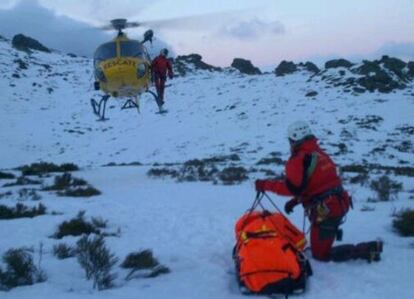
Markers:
21,63
410,66
311,67
181,64
245,66
25,43
286,68
394,64
311,93
381,81
72,55
342,73
368,67
335,63
359,90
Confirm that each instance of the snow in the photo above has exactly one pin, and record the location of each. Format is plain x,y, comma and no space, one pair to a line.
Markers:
189,226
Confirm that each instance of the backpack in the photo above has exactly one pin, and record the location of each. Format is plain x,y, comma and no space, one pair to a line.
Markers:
268,254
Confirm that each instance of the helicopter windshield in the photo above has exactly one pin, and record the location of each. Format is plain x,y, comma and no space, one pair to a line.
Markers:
106,51
131,49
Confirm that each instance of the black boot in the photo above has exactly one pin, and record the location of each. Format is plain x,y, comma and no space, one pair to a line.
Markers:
370,251
342,253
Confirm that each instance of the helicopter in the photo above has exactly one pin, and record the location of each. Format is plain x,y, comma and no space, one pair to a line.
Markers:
122,69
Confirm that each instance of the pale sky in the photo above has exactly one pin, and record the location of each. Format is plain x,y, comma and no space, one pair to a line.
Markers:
264,31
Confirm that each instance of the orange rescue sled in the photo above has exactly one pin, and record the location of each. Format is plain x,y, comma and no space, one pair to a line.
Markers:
268,254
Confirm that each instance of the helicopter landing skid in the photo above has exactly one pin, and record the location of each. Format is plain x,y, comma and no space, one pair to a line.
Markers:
130,104
99,108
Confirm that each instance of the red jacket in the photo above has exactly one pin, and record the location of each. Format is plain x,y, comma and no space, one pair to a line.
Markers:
160,66
309,172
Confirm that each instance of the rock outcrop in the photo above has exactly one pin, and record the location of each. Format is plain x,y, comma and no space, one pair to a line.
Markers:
285,68
245,66
189,63
25,43
335,63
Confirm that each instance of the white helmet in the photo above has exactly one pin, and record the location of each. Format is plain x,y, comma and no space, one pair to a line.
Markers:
298,131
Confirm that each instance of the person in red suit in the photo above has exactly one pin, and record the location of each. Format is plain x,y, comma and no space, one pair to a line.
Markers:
312,180
160,68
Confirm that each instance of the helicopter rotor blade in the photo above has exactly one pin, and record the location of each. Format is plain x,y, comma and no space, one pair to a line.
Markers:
193,22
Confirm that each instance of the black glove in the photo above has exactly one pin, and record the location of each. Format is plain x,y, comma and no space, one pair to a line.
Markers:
260,185
289,205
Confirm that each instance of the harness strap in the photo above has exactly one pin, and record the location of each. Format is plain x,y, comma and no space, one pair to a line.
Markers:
338,190
312,165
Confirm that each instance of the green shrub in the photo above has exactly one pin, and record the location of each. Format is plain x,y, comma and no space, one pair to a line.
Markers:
233,175
361,178
272,160
6,194
28,194
21,211
75,227
20,269
45,167
162,172
385,188
140,260
66,185
404,222
65,181
5,175
80,192
354,168
21,181
143,260
63,251
97,261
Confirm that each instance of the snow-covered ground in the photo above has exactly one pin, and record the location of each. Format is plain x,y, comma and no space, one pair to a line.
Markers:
46,116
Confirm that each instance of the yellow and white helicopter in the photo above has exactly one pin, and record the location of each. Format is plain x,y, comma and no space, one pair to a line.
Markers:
122,68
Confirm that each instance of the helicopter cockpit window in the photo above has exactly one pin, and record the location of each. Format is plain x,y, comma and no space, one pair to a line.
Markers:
131,49
106,51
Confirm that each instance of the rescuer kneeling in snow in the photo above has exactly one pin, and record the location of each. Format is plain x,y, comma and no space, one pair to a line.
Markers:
310,176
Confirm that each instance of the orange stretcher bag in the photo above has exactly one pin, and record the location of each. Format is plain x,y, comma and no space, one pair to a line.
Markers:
268,254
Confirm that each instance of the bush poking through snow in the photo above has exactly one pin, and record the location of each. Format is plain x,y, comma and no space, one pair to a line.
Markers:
404,222
385,188
20,269
97,261
204,170
45,167
361,178
80,192
143,264
28,194
233,175
6,194
75,227
65,181
21,211
63,251
162,172
66,185
5,175
22,181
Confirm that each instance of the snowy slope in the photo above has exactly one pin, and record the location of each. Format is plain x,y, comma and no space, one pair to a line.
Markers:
210,113
46,115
